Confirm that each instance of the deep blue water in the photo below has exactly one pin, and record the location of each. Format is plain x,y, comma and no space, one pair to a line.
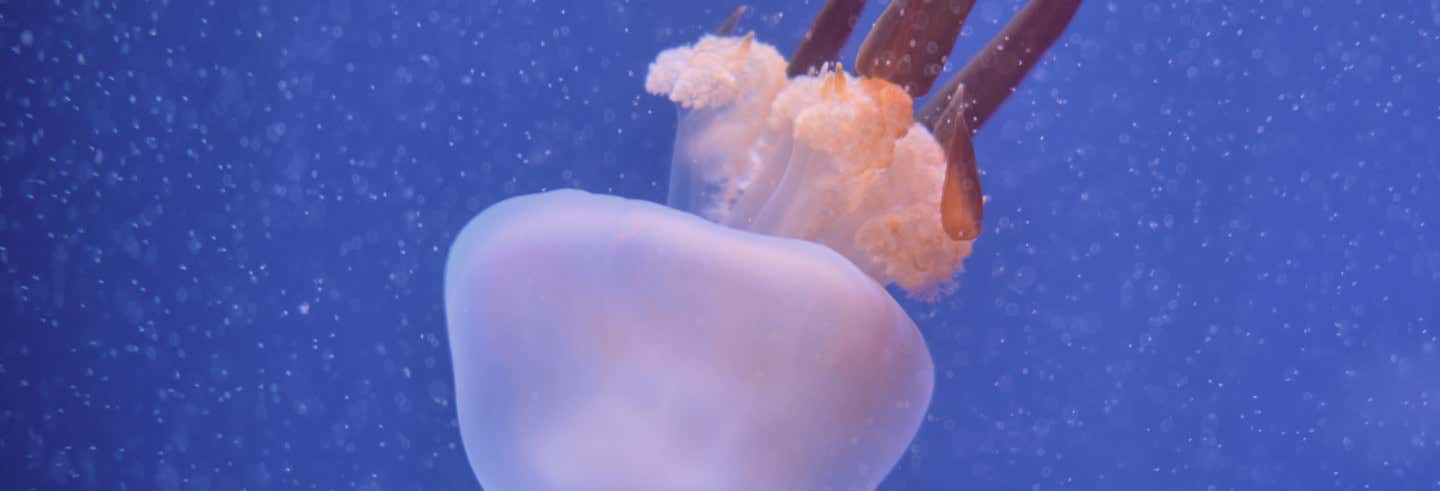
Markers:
1211,260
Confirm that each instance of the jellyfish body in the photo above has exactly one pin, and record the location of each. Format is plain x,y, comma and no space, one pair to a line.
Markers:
741,338
601,343
608,344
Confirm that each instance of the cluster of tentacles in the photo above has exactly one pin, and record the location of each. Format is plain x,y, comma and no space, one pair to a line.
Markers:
909,46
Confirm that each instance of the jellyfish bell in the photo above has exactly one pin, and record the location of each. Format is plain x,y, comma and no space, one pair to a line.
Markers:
740,338
604,343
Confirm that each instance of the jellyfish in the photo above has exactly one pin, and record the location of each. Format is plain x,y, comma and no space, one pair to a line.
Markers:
740,336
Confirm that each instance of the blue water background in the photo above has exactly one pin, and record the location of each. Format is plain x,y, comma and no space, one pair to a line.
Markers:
1210,261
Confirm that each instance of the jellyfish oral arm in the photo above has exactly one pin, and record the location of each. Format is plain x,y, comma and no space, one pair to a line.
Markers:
908,47
829,158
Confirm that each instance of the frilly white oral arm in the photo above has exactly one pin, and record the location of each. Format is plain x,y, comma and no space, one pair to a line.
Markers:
829,158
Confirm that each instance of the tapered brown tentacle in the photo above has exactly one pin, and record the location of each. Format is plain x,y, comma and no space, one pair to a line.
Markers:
827,35
910,42
994,74
728,25
961,201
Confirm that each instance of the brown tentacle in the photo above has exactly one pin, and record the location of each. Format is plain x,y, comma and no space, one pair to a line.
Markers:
827,35
994,74
961,201
911,41
728,25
